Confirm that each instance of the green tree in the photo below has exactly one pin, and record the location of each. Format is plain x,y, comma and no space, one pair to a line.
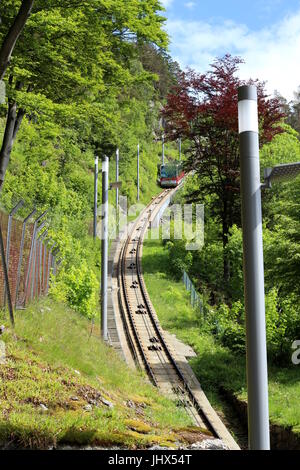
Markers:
11,36
70,60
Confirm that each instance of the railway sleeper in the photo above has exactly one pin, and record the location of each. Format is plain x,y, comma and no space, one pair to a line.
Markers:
140,312
178,389
154,340
183,403
153,347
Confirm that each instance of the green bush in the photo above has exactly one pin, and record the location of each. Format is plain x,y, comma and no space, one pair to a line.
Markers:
180,258
227,324
79,288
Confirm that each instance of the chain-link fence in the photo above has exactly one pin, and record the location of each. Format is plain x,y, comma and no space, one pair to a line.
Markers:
196,300
27,258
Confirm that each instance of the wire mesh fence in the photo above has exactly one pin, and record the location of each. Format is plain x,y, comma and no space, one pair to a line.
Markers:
196,300
27,259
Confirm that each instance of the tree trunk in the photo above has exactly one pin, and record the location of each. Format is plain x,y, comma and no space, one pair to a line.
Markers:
13,35
13,123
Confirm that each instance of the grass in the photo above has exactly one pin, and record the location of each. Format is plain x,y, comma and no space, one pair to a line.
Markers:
61,385
216,366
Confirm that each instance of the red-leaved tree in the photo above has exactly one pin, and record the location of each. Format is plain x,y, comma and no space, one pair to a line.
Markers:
202,110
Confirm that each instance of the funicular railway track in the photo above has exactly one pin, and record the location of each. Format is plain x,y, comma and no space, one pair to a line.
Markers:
145,336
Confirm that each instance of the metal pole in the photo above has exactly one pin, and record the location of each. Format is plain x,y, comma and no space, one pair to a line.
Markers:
9,224
41,264
180,149
44,266
95,197
35,260
5,272
31,254
25,221
117,177
104,248
163,149
257,370
117,190
49,265
138,172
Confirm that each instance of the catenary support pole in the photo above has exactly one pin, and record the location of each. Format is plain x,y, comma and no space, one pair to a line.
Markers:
117,189
180,149
163,150
138,172
95,197
104,248
257,371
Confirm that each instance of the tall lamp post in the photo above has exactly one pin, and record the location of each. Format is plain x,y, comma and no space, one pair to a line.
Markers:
257,370
257,373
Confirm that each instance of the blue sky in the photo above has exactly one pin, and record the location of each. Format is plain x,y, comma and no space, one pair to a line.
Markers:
266,33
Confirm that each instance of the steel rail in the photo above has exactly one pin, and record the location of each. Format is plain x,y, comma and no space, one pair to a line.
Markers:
136,343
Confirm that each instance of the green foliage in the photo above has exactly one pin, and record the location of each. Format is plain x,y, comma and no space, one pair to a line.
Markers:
79,288
234,250
217,367
227,324
281,254
180,259
53,355
80,76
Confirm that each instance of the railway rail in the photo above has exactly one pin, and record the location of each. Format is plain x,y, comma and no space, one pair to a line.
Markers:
148,345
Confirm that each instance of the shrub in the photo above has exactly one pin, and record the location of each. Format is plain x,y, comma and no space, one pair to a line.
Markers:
180,259
78,287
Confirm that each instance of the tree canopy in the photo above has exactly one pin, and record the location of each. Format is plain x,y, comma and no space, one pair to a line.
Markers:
202,109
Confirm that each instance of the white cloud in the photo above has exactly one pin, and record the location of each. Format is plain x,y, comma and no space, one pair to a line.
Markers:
190,5
271,54
166,3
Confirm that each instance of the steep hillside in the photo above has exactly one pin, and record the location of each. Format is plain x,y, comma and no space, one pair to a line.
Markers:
61,385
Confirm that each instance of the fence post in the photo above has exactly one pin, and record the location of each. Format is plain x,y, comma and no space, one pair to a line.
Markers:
25,221
34,277
10,307
41,264
32,253
44,267
9,223
49,266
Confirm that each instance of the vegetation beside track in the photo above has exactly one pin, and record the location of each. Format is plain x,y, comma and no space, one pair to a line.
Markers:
216,366
61,385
